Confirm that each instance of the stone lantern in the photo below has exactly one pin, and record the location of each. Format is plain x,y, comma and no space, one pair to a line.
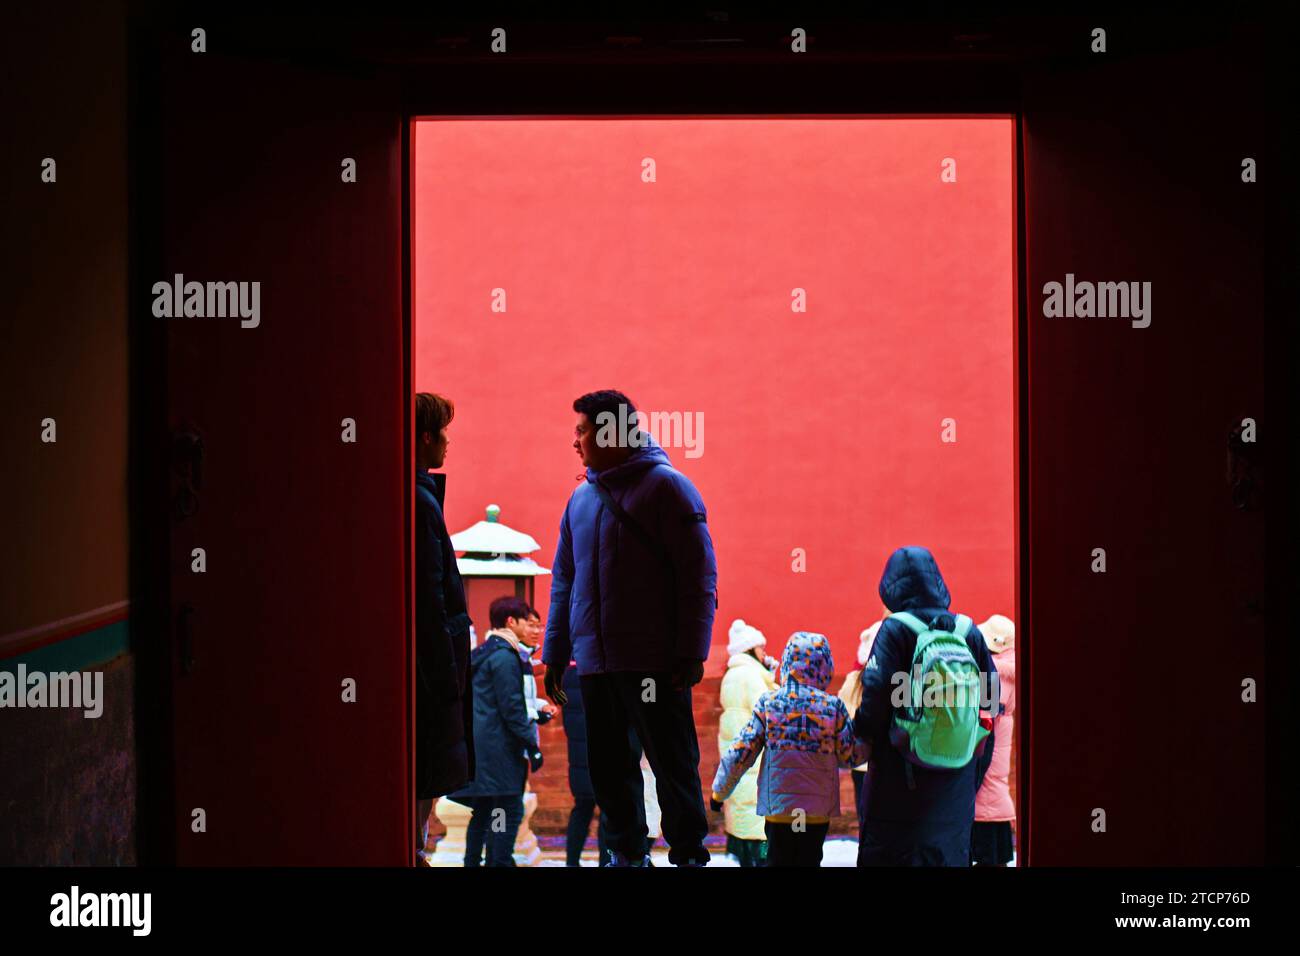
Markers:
495,564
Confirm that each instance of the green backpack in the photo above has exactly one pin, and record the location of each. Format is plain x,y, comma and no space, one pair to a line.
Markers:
939,728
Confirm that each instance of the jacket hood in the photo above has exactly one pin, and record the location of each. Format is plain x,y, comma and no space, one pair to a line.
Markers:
645,457
807,660
912,580
491,644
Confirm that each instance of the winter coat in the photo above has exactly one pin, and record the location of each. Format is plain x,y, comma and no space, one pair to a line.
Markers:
532,703
930,822
850,693
746,680
575,730
615,604
851,689
994,802
806,732
503,734
444,741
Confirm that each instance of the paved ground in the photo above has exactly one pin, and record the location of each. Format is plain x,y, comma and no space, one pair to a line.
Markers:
837,852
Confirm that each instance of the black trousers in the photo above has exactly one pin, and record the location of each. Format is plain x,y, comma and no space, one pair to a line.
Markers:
787,846
495,830
575,837
859,776
613,704
747,852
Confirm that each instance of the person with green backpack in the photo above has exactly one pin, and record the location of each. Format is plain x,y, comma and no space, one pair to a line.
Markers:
926,692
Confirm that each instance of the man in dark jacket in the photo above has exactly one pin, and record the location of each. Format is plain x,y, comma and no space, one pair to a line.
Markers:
444,745
633,595
505,737
925,820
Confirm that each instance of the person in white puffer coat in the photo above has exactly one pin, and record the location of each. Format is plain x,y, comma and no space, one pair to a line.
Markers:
750,674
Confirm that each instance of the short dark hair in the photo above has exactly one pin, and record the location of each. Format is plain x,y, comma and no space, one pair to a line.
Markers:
433,413
507,607
605,400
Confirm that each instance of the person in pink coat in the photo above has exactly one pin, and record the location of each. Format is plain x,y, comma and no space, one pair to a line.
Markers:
995,808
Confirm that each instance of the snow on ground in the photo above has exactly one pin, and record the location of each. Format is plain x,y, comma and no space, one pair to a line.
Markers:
840,852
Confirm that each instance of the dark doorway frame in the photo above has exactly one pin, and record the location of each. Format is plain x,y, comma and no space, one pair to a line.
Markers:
412,112
709,61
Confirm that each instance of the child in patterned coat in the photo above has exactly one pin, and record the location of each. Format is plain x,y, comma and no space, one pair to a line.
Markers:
808,737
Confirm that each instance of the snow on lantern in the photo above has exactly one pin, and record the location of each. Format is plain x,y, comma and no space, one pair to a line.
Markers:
495,564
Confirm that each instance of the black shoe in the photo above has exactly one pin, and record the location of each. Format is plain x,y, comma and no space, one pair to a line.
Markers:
621,859
697,857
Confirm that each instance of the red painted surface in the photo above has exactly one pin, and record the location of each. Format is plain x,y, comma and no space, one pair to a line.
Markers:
822,429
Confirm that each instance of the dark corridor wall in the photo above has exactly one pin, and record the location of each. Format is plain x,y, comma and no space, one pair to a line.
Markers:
67,783
1134,677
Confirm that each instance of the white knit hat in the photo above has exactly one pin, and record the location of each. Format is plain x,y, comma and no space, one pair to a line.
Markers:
999,633
743,637
865,640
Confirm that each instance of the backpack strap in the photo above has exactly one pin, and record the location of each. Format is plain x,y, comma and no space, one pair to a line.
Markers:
961,629
911,621
620,513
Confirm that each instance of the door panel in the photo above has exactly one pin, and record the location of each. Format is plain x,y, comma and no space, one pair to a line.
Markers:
306,536
1133,676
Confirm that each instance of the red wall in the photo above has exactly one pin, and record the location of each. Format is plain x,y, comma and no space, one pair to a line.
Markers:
821,429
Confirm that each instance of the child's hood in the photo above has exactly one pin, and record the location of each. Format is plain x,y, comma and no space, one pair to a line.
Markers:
807,660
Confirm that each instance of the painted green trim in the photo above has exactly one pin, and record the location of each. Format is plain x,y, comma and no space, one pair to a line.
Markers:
77,653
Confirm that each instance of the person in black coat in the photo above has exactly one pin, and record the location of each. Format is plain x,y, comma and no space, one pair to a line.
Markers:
925,821
584,795
444,743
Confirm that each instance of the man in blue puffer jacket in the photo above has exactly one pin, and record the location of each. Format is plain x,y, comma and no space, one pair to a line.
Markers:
633,594
925,822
